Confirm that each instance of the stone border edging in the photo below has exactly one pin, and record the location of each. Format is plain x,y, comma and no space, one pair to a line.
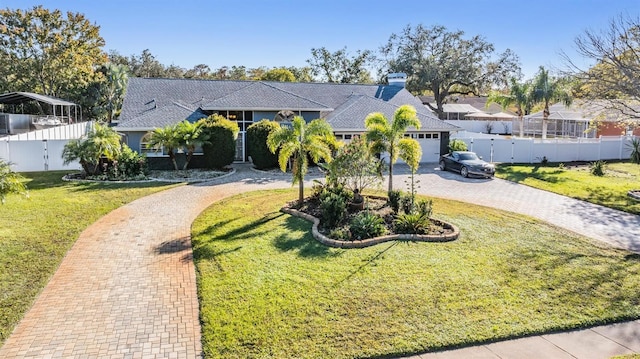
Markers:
376,240
634,194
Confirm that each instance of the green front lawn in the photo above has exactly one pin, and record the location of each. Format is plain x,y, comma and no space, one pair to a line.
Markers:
269,290
577,182
36,233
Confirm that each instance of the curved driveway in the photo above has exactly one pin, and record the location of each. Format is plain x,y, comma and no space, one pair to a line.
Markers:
127,287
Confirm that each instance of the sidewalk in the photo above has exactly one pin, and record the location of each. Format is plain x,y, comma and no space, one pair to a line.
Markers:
595,343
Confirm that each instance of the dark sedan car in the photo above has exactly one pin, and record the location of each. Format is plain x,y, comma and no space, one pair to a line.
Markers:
467,163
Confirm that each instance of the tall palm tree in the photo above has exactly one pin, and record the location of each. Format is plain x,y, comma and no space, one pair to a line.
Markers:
519,96
168,138
387,137
190,136
546,90
10,182
301,141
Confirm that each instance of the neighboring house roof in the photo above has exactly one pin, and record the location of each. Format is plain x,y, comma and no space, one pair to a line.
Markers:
459,108
148,98
478,102
348,117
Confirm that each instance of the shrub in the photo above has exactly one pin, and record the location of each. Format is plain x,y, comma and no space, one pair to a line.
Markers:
635,151
338,190
366,224
597,168
129,165
334,208
411,223
407,203
222,134
394,200
425,207
341,234
457,145
257,144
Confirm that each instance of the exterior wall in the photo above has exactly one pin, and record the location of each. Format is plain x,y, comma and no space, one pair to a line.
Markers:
613,129
133,140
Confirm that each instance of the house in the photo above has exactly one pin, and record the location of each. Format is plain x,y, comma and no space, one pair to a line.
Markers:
580,119
464,107
153,102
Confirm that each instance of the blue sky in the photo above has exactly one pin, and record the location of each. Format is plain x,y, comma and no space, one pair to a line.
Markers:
282,32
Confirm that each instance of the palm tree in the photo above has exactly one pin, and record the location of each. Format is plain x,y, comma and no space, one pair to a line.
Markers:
519,96
166,137
385,136
10,182
548,90
101,142
301,141
190,136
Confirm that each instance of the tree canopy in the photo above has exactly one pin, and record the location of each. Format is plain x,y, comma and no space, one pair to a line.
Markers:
614,79
445,63
47,52
340,66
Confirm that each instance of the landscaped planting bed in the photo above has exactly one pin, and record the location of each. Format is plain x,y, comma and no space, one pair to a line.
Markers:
269,290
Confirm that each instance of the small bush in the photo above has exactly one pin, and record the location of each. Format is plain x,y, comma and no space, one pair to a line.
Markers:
257,144
366,225
394,200
341,234
334,208
413,223
457,145
339,190
597,168
635,151
407,203
424,207
129,165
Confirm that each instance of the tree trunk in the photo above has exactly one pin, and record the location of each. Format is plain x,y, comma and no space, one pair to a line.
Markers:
544,127
521,126
390,176
301,190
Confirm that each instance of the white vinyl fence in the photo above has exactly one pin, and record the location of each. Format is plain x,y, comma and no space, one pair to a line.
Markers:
495,127
528,150
41,150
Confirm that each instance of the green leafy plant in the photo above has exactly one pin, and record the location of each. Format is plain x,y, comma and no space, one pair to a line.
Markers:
129,165
394,198
341,233
366,224
457,145
10,182
424,207
411,223
561,166
97,148
355,166
407,203
257,135
635,150
334,209
597,168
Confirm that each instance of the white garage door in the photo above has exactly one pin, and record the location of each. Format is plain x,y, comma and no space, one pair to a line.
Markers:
430,150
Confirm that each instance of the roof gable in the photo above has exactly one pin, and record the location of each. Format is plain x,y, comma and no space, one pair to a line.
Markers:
351,115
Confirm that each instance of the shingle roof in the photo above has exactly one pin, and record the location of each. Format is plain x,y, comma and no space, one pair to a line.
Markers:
146,98
263,96
351,115
161,117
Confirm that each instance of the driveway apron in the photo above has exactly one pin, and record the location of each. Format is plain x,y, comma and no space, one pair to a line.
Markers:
127,288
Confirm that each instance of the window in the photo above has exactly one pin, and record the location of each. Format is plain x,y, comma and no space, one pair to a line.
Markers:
148,150
421,136
347,137
435,136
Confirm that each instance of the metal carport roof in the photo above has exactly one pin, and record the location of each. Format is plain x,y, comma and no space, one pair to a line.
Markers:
20,97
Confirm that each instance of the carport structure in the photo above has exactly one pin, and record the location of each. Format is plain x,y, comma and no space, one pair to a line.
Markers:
18,112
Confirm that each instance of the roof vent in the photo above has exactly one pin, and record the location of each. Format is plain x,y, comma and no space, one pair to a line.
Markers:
398,79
